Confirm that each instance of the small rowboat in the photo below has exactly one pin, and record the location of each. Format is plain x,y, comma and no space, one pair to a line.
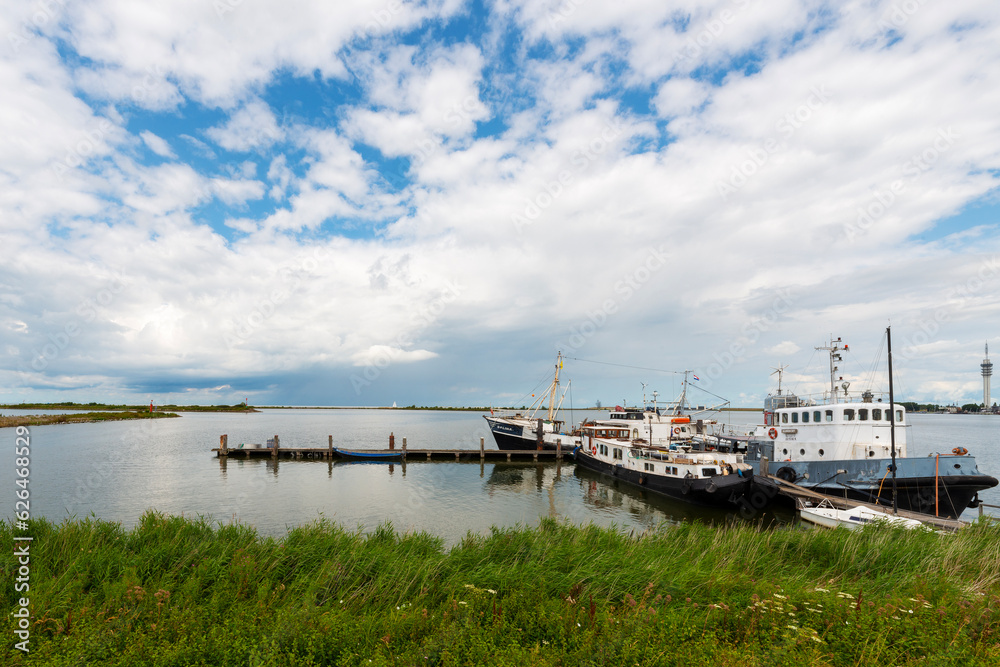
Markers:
825,514
387,455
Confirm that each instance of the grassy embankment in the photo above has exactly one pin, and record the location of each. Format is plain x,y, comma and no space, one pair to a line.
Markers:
81,418
174,591
239,407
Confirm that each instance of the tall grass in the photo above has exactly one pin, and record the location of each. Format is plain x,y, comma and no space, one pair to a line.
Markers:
176,591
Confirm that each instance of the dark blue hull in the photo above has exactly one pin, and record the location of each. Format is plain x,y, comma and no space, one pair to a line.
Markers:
944,487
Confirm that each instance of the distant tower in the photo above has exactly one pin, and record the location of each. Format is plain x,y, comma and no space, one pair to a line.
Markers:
987,367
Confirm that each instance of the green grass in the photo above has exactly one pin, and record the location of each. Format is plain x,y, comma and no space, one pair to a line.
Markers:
81,418
239,407
176,591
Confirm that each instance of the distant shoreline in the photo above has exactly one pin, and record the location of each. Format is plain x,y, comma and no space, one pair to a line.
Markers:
85,418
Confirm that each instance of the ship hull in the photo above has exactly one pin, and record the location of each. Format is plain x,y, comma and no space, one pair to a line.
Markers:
940,486
722,491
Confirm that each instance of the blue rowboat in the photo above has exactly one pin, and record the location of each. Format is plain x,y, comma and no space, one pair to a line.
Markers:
369,454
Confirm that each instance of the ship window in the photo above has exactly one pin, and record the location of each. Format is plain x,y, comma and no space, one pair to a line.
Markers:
784,417
802,452
849,415
708,472
785,452
816,416
795,417
805,417
829,415
871,453
863,414
876,414
821,452
899,416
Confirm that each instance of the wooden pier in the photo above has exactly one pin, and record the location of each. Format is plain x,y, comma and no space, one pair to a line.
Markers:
798,493
274,450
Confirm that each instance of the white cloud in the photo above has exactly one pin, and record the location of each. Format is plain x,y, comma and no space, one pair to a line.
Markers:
252,126
156,144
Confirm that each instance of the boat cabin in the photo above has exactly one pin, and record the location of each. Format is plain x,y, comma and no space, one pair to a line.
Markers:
833,431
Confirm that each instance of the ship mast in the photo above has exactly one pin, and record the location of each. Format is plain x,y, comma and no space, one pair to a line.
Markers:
834,349
892,420
555,385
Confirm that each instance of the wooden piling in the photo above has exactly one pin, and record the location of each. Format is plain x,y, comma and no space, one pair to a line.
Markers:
558,448
392,441
223,445
404,449
482,448
329,452
276,445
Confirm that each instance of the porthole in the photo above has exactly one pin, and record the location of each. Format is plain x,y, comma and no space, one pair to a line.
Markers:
821,452
784,451
802,452
871,454
958,466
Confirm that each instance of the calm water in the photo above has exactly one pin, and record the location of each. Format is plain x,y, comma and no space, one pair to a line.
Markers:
118,470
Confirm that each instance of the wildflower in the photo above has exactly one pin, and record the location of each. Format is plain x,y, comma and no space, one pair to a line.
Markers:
821,590
791,614
793,627
577,625
845,595
896,617
462,603
470,586
780,597
490,590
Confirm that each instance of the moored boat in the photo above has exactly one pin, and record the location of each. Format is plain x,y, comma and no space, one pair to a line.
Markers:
514,430
825,514
374,455
849,446
679,471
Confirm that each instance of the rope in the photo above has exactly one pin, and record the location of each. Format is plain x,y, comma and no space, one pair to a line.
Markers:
879,494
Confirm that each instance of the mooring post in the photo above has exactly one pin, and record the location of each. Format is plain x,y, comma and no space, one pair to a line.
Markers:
558,448
404,449
392,441
482,448
329,452
539,436
223,445
275,452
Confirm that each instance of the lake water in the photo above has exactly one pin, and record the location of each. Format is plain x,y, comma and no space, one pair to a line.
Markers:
118,470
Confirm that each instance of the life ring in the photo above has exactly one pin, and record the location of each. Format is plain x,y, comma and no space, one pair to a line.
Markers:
960,451
593,450
772,433
677,431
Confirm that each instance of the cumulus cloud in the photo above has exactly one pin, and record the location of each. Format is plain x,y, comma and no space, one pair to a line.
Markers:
713,185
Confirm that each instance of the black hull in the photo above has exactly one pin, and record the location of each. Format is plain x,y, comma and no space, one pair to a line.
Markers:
722,491
955,493
508,442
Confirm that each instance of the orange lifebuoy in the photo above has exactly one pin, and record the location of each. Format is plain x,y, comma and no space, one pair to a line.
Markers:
772,433
960,451
677,431
593,450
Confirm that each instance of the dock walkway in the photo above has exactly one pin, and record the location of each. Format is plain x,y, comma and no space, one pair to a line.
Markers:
276,451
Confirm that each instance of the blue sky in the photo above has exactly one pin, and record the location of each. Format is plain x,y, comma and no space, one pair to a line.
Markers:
422,202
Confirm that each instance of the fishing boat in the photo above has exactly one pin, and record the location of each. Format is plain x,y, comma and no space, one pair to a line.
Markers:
825,514
516,430
855,446
679,471
373,455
